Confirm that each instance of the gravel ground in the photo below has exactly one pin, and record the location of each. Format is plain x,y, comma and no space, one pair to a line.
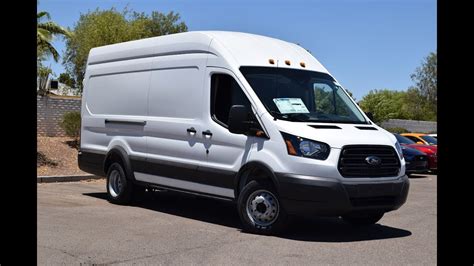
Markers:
57,150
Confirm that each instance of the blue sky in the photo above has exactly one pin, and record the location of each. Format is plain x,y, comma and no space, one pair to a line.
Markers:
365,44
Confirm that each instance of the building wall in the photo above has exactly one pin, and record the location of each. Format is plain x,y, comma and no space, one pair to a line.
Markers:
50,111
411,125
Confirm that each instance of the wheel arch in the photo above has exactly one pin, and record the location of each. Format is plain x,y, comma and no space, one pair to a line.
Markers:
119,154
251,171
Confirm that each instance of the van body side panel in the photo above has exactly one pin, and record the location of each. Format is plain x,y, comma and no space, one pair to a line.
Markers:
114,108
174,123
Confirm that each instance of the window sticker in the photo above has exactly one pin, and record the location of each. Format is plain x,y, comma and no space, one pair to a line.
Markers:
290,105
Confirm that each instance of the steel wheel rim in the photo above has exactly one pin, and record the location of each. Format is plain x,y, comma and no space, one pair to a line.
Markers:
262,207
115,183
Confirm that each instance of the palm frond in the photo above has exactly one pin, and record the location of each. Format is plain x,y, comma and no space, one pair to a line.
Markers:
43,35
54,28
47,48
45,31
42,14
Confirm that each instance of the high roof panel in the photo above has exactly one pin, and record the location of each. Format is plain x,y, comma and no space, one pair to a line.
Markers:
256,50
235,47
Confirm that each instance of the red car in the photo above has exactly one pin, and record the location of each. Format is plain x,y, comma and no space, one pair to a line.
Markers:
430,150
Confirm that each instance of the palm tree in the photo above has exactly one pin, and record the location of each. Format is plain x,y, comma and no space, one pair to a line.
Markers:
45,31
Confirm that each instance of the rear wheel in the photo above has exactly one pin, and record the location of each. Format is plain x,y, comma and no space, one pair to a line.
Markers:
363,219
119,187
260,210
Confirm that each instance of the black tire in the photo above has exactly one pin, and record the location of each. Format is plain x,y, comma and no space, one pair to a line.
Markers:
278,215
363,219
115,195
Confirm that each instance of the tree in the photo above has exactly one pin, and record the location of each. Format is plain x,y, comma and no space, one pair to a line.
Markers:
65,78
390,104
45,31
416,106
418,102
160,24
42,79
104,27
384,104
425,79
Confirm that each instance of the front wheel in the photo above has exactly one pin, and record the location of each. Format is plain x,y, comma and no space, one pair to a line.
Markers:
363,219
260,210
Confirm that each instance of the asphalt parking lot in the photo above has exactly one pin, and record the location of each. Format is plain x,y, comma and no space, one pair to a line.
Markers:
77,225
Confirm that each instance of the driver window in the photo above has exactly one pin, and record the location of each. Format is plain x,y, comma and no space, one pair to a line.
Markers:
225,92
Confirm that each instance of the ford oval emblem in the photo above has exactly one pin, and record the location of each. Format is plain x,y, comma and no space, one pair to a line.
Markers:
373,160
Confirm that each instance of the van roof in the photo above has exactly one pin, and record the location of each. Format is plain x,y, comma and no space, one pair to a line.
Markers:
237,48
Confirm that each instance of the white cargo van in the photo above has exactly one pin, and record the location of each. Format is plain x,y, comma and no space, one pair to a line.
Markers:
239,117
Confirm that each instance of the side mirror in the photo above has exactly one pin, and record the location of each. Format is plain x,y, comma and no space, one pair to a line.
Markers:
420,142
370,115
238,116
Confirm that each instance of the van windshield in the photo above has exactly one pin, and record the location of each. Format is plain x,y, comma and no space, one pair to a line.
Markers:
302,96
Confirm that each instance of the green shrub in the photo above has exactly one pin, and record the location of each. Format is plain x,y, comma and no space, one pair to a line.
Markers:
71,124
398,130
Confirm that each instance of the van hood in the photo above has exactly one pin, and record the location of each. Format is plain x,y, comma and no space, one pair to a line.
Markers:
338,135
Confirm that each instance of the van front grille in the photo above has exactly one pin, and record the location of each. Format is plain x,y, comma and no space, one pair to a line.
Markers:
353,161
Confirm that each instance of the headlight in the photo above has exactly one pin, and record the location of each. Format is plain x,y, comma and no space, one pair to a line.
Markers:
399,150
299,146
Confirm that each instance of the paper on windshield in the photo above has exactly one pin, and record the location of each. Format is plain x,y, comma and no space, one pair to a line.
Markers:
290,105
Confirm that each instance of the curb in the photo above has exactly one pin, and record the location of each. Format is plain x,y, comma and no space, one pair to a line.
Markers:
66,178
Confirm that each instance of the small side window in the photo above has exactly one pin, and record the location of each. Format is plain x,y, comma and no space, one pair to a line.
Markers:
225,92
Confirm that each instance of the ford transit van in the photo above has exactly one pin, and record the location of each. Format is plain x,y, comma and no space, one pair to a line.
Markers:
240,117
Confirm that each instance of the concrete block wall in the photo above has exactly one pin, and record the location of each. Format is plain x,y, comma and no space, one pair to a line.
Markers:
411,125
50,111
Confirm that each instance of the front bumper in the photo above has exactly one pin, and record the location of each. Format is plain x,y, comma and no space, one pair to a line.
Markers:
317,196
416,167
433,162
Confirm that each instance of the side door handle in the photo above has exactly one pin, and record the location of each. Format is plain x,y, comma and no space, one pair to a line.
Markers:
191,130
207,133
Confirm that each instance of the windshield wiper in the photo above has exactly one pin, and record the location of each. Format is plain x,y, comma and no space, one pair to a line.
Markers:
300,117
289,117
276,114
